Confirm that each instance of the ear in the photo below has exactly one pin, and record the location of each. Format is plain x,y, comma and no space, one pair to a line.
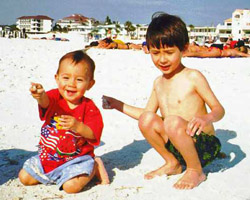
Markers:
91,84
57,78
186,47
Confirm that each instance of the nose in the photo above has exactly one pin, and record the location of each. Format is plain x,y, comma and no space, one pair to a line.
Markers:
163,59
71,82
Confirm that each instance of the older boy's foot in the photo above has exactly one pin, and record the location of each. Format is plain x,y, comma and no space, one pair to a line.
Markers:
192,178
164,170
101,172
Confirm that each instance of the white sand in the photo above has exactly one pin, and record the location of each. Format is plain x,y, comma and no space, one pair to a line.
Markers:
127,75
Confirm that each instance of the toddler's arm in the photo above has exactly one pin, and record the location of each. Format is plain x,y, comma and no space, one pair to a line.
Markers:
38,93
68,122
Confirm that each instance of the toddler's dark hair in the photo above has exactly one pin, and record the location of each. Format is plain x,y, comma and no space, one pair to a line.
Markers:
77,57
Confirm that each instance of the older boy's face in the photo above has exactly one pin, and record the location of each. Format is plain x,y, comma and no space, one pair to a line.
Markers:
166,59
73,81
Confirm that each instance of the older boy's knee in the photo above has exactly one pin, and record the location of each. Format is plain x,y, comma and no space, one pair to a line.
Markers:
174,125
145,120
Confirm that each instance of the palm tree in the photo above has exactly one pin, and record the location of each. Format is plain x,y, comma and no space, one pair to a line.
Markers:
108,20
117,27
57,27
129,27
137,30
191,26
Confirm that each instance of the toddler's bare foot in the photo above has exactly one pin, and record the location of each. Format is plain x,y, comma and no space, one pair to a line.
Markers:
164,170
192,178
101,172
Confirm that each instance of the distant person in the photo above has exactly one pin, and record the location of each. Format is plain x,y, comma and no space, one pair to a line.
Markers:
184,133
215,52
73,126
108,43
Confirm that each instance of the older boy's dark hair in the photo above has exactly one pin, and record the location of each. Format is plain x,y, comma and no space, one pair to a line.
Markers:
77,57
167,30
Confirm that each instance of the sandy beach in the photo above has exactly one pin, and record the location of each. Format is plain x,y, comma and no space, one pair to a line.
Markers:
127,75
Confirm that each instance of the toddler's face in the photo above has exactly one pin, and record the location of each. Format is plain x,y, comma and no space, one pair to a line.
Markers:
73,81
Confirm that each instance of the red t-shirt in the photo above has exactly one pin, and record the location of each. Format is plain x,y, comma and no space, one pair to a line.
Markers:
58,146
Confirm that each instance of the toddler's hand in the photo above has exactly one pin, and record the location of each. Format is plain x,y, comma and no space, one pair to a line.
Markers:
37,90
68,122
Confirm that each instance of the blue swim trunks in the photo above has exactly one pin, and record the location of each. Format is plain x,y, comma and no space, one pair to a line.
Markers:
207,146
78,166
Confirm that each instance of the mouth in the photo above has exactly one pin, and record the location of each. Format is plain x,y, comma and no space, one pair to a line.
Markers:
164,68
70,92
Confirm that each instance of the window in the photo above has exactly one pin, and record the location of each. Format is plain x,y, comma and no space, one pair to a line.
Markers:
237,16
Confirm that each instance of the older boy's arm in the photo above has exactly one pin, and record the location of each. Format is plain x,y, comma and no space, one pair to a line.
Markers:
217,111
131,111
205,91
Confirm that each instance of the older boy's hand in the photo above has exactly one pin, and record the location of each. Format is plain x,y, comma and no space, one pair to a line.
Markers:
111,103
68,122
196,126
37,90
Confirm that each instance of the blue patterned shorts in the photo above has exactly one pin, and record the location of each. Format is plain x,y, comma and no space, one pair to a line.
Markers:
78,166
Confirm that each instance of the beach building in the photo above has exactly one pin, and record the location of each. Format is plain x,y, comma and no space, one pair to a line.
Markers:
237,27
241,24
202,34
34,24
75,22
140,32
225,30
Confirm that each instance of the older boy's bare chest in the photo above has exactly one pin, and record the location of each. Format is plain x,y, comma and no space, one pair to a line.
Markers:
174,94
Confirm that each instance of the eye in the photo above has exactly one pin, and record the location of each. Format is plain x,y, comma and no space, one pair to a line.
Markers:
65,77
154,52
79,79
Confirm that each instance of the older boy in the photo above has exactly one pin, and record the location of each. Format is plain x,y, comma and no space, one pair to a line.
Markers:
184,134
72,127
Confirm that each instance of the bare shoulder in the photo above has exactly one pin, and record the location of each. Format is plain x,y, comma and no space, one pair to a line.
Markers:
193,74
157,81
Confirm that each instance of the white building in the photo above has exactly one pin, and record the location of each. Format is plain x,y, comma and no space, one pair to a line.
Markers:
202,34
141,30
34,24
75,22
237,27
241,24
225,30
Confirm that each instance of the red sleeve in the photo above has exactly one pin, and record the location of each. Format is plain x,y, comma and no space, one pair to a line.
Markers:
53,95
93,119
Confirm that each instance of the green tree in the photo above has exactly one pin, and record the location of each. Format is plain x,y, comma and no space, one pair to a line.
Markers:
108,20
191,26
13,27
129,27
117,27
57,27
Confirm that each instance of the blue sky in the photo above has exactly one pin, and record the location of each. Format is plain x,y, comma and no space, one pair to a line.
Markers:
196,12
